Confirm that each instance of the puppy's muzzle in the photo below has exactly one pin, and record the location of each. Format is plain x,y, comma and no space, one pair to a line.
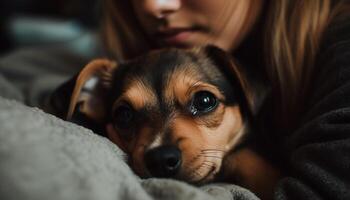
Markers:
163,161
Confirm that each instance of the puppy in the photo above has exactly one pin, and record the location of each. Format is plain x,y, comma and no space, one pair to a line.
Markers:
182,114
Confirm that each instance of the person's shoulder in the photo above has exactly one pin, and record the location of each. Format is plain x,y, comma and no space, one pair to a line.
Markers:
334,50
337,34
332,66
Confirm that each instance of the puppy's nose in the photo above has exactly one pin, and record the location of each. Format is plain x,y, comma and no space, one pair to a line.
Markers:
164,161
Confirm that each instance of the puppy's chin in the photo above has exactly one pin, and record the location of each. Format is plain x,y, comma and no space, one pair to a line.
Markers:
203,171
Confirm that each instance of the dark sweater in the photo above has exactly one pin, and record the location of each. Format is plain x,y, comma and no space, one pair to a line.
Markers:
318,151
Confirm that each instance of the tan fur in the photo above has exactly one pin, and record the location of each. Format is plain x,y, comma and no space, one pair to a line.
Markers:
178,84
184,132
138,95
182,84
252,171
138,149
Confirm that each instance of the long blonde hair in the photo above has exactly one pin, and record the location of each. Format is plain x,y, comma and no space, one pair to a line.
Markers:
293,31
122,34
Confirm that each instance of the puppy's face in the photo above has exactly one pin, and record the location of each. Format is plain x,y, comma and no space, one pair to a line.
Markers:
176,113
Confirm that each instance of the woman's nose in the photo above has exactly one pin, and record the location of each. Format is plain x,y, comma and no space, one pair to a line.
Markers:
161,8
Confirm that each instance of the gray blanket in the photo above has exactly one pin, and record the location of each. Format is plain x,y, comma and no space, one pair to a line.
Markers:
43,157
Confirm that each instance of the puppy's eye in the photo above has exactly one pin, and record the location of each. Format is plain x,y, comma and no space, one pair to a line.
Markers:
123,116
203,102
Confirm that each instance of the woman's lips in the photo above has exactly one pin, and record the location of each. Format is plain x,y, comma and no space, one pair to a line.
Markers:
177,37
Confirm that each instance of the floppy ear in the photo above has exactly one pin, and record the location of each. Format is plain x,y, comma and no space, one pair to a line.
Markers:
90,92
236,75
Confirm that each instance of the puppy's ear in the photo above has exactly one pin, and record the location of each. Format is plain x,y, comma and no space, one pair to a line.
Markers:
235,74
91,88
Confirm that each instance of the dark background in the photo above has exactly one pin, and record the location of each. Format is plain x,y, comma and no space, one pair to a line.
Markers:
86,13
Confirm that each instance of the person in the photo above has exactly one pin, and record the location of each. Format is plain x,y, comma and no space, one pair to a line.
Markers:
299,49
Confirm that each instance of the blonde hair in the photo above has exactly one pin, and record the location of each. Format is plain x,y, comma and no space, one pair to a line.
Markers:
293,31
122,34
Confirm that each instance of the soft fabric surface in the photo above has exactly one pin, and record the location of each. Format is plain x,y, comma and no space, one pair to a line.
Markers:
43,157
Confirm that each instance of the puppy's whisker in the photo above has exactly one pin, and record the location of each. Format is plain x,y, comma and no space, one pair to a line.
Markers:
211,154
208,165
195,172
214,150
203,166
191,175
208,161
206,156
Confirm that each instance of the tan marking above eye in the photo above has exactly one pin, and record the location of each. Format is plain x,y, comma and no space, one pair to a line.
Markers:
178,83
183,83
138,95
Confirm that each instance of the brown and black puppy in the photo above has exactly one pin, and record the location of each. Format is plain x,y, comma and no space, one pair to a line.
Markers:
182,114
